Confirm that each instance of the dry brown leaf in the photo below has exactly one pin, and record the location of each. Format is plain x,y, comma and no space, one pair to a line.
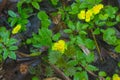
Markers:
23,68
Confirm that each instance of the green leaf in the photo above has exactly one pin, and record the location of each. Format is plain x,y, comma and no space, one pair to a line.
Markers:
45,23
68,31
91,68
14,21
54,56
35,54
45,37
5,54
70,71
118,18
90,44
103,16
110,23
42,15
74,8
72,63
111,11
29,41
56,36
11,13
102,74
12,41
117,49
12,55
35,5
96,31
107,78
109,36
80,41
55,2
81,76
35,78
13,48
71,25
90,57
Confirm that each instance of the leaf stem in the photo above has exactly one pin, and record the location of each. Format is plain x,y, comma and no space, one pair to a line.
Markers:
97,46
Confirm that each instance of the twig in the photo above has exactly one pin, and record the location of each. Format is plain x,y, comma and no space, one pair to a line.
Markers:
98,49
58,71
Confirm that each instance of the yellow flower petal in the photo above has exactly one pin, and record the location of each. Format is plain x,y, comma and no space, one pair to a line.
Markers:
88,15
16,29
96,9
115,77
59,46
81,15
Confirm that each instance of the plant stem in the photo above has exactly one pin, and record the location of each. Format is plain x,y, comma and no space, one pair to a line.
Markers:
98,49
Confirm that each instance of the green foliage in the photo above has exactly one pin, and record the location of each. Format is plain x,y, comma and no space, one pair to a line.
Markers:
49,71
54,56
44,19
36,5
81,75
102,74
43,38
7,44
54,2
35,78
109,36
81,35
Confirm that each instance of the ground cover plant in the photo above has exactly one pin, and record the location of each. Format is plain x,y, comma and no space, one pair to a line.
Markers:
59,40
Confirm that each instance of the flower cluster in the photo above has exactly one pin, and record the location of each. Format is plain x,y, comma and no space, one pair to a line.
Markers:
89,13
16,29
59,46
115,77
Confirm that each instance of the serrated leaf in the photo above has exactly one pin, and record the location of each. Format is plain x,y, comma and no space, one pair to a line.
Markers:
81,76
72,63
54,56
70,71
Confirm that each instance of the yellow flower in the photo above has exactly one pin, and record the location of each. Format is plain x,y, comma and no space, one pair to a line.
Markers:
115,77
88,15
81,15
16,29
96,9
59,46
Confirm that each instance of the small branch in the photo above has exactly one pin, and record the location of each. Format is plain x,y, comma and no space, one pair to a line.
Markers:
58,71
98,49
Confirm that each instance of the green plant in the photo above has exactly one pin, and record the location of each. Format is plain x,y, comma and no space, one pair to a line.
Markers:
83,20
7,44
